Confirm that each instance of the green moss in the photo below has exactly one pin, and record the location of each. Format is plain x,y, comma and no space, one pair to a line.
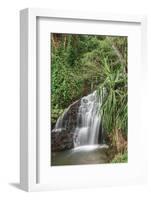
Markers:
120,158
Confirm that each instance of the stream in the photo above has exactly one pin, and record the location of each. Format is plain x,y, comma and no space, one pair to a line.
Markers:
88,142
84,155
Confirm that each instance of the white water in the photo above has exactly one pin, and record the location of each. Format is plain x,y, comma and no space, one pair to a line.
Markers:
61,122
90,147
89,119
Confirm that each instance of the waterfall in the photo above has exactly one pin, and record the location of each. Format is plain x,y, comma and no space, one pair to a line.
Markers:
87,120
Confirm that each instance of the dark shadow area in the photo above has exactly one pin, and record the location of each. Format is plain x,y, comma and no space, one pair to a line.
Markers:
16,185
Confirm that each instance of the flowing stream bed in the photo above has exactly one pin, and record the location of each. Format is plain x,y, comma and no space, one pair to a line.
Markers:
89,154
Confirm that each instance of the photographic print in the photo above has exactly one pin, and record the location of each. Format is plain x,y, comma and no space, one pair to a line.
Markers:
89,99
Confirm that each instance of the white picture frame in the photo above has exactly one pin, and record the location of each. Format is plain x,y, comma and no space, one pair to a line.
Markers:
30,166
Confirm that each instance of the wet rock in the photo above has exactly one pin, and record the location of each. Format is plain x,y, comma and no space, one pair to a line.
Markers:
61,141
62,137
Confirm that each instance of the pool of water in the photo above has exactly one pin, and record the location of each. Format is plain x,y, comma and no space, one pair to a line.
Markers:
89,154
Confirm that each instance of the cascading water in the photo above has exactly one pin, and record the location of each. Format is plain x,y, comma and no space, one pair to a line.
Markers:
88,121
80,125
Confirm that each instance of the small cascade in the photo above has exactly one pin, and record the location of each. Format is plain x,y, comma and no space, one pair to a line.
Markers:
88,121
83,120
68,120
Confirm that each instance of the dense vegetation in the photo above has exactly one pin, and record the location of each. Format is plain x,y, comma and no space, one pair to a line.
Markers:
84,63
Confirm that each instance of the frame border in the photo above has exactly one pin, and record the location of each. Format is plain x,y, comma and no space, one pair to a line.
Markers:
28,82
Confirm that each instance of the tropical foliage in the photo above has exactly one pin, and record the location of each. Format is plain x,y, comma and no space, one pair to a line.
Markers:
84,63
